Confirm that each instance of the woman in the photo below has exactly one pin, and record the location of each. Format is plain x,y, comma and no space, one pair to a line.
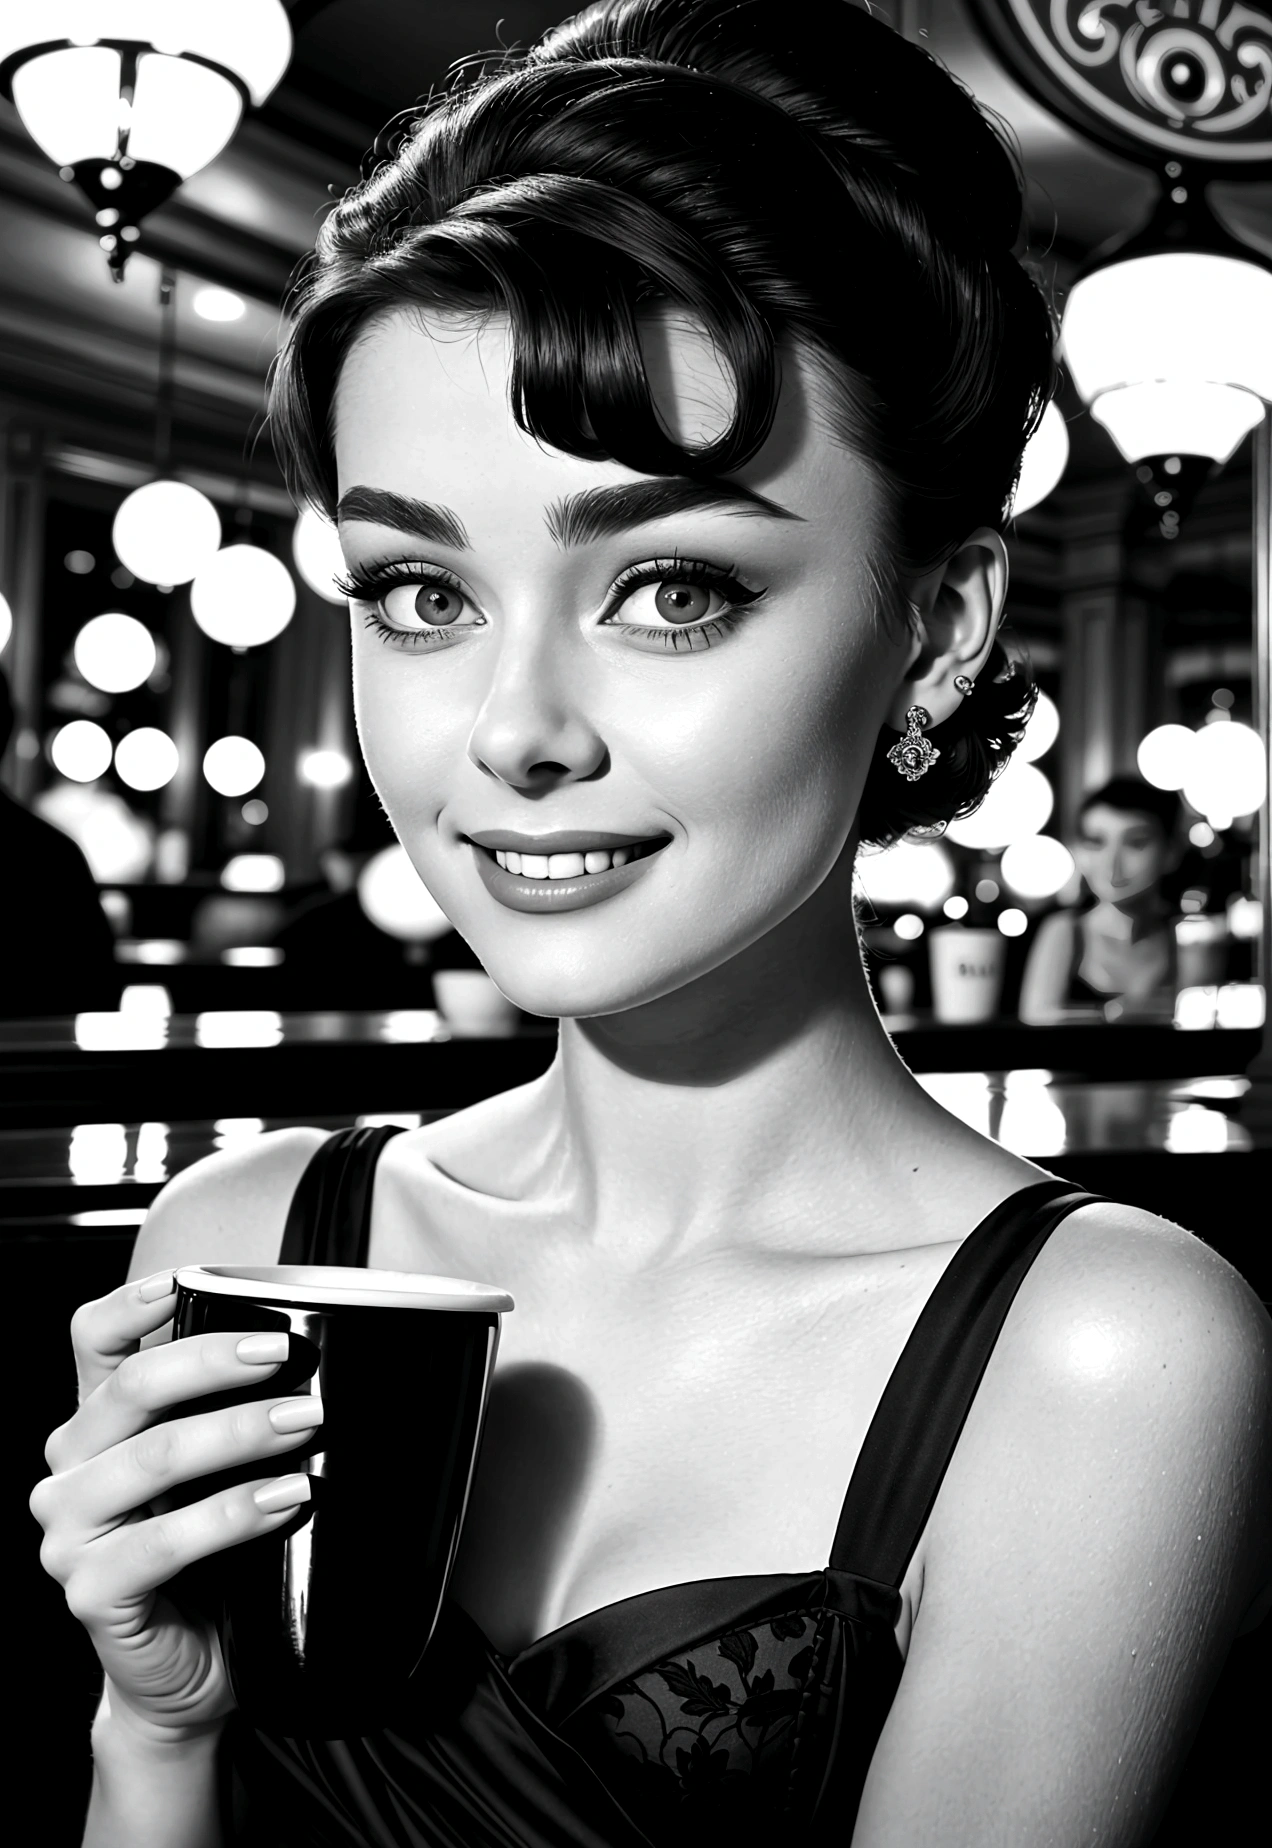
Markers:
1120,948
670,383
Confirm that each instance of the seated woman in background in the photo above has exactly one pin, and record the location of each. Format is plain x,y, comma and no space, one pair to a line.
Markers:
1121,947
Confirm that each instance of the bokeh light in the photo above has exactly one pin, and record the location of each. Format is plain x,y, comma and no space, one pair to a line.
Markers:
1012,922
395,899
6,623
316,550
146,758
115,653
1164,755
1044,461
81,751
1037,866
1041,732
1227,772
213,304
243,597
118,844
166,532
233,766
253,872
1019,802
909,926
325,769
909,873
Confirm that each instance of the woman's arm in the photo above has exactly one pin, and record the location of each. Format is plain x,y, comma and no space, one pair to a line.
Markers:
1044,988
1102,1533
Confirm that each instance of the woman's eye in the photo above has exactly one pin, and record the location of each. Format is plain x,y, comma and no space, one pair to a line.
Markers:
436,606
673,600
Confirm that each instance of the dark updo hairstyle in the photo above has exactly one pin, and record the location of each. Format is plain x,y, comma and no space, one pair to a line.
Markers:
785,170
1131,795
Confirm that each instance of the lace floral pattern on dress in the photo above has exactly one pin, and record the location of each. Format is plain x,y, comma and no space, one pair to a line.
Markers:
716,1732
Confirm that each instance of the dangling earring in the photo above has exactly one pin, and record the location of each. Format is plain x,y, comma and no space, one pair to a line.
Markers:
964,685
914,754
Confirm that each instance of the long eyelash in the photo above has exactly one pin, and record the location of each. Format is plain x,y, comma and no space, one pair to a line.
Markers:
686,636
369,584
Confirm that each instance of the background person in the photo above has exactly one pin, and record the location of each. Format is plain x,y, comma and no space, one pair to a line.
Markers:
57,949
1118,945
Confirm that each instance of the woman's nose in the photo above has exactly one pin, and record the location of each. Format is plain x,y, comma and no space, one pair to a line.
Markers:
530,729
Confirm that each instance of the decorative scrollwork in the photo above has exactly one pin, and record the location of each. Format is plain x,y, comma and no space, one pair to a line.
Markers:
1188,78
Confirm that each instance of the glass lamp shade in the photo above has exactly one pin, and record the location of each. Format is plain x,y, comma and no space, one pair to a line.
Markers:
1179,416
130,97
243,597
250,39
165,532
1171,350
1044,461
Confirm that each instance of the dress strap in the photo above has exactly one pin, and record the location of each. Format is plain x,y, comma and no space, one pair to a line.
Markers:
329,1219
925,1403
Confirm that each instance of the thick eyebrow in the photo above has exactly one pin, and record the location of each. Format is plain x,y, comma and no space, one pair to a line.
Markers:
577,519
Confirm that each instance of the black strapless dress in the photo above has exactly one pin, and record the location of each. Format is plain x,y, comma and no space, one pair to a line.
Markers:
737,1711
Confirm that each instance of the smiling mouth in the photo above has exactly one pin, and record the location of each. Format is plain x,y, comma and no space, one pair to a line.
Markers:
532,866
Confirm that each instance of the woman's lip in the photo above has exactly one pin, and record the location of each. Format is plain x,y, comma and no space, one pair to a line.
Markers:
541,895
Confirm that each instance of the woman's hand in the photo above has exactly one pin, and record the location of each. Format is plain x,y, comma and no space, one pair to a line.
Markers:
103,1541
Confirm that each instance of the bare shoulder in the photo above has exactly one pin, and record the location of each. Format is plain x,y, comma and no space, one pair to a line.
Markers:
228,1208
1103,1533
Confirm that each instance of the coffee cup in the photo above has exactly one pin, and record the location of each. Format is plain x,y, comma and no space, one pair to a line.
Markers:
471,1005
967,973
324,1621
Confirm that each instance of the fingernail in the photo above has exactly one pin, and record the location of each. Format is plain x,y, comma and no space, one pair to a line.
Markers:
154,1287
286,1492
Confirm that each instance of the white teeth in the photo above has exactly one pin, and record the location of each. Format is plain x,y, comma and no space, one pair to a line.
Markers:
568,865
565,865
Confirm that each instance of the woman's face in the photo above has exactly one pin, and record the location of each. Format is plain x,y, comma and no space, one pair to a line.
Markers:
549,646
1121,853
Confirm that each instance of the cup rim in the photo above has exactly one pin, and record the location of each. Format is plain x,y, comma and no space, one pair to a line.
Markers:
346,1284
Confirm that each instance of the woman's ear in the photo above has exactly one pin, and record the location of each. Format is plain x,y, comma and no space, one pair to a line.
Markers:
958,609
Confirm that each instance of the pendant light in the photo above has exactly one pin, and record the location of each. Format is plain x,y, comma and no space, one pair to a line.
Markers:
1166,337
165,531
130,97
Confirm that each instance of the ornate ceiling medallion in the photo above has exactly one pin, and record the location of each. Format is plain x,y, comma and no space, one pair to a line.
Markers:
1188,79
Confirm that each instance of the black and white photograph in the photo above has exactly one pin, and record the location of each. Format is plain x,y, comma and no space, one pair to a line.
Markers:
635,920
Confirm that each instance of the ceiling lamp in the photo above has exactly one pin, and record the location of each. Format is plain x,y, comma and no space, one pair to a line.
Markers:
130,97
1165,330
1166,338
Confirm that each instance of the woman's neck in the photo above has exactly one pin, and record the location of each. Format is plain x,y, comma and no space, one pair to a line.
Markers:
1142,916
760,1105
